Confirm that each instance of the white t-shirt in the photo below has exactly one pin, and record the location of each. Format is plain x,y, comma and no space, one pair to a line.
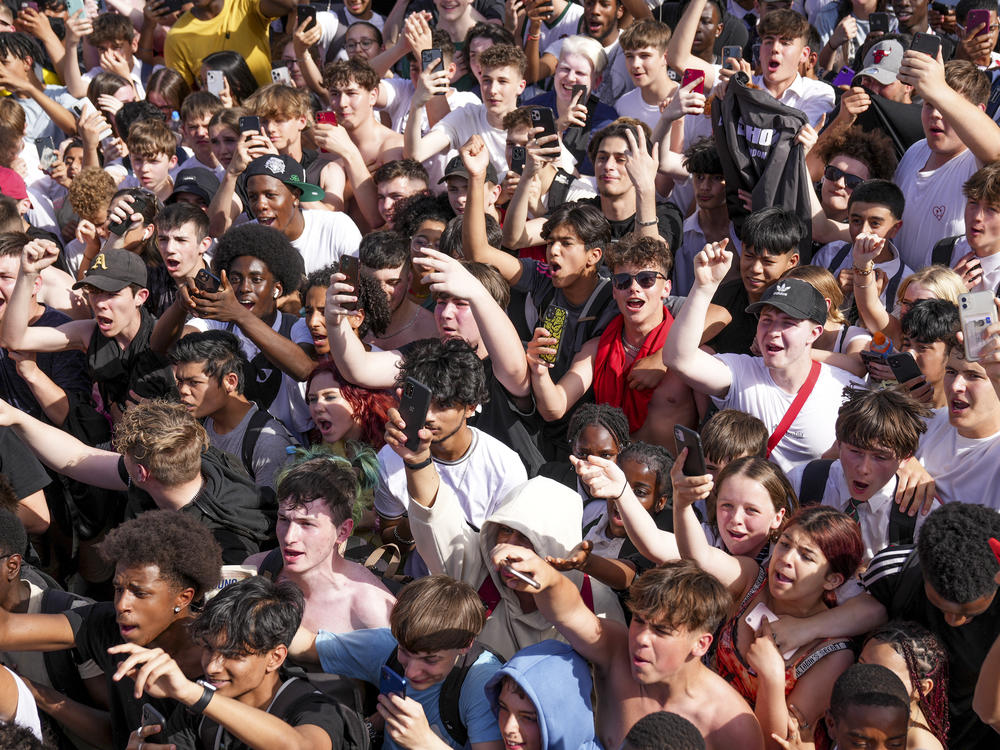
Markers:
469,120
964,469
989,263
399,94
935,206
326,236
480,479
563,26
193,162
812,432
26,714
633,105
289,405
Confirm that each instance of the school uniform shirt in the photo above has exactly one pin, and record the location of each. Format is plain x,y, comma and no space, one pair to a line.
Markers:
360,655
469,120
812,432
825,256
693,242
989,263
964,469
326,237
812,98
135,76
873,516
935,206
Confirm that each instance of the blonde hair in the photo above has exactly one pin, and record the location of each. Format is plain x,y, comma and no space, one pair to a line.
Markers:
941,281
588,48
823,282
163,437
280,102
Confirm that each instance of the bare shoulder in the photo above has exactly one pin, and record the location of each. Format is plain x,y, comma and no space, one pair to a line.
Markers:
726,718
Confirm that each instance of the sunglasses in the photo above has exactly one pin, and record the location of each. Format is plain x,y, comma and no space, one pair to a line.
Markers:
833,174
646,279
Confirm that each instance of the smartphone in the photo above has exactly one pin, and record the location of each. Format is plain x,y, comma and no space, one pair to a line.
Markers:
760,613
326,117
976,312
207,281
872,358
151,716
904,366
518,158
843,78
879,22
734,51
173,5
413,408
554,321
75,6
756,54
47,154
976,17
427,58
214,82
694,464
118,228
250,122
691,74
350,266
391,683
304,14
544,118
521,576
281,74
33,6
929,44
580,89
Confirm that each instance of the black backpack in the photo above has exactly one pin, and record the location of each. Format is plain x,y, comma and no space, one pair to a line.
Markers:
944,249
257,424
901,525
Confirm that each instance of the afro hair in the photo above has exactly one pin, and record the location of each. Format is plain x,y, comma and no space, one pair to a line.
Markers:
954,551
265,243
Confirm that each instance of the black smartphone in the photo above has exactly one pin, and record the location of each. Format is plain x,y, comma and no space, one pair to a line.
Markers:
554,321
250,122
734,51
391,683
413,408
929,44
118,228
518,158
544,118
580,89
755,55
904,366
304,14
173,5
694,464
427,58
872,358
879,22
206,281
350,266
151,716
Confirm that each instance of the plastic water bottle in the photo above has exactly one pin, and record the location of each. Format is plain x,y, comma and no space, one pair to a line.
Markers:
881,345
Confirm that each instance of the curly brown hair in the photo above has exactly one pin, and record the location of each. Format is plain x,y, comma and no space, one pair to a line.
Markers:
871,148
90,193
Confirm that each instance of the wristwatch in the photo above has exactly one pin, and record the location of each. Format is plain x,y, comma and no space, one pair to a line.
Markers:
208,690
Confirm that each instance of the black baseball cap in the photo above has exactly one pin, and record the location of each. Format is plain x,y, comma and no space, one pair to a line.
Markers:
456,168
794,297
113,270
197,181
286,170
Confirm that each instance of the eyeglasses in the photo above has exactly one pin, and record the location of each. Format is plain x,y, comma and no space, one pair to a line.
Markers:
646,279
833,174
362,43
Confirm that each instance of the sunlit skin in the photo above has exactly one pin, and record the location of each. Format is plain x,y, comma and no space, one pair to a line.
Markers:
116,313
455,320
595,440
153,170
242,676
659,651
745,515
331,412
641,308
144,603
423,670
352,104
609,168
477,46
709,28
982,226
782,339
518,720
835,195
394,282
360,42
201,394
780,58
389,193
867,470
646,488
571,70
224,143
645,65
973,406
181,250
196,135
73,159
567,257
600,20
313,312
942,139
709,190
284,134
870,727
275,205
308,536
500,88
799,573
255,286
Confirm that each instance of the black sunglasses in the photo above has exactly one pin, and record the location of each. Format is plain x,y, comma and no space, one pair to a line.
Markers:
833,174
646,279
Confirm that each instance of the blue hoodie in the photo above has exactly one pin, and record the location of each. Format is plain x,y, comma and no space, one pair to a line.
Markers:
558,682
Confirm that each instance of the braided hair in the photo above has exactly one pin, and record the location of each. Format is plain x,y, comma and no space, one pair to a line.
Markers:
611,418
925,659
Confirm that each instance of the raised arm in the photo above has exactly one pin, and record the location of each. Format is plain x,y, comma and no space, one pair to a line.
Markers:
368,369
417,146
873,314
681,351
77,27
555,399
518,230
679,48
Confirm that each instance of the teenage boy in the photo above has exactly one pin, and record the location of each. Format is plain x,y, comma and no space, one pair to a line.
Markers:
645,46
116,41
959,139
197,111
503,81
315,502
948,584
209,370
354,89
875,207
928,333
182,239
431,639
784,388
770,238
675,609
640,274
456,180
877,432
395,181
152,148
120,359
162,461
385,256
869,707
976,254
46,108
246,699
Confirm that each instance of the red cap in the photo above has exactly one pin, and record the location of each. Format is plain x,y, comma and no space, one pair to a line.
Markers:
12,185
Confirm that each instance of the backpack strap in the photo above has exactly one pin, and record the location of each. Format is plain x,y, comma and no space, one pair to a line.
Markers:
839,258
901,526
257,424
450,697
893,285
271,565
813,484
941,254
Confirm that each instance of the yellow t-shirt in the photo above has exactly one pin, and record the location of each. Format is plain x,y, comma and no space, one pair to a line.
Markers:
240,27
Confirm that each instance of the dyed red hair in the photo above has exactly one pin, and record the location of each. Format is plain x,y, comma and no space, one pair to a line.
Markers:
838,537
371,408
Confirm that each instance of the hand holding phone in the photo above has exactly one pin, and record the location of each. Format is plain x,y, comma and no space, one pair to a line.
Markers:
977,312
206,281
151,716
929,44
544,118
904,366
251,123
694,463
878,23
518,158
976,18
350,266
391,683
733,51
693,74
506,568
554,321
413,406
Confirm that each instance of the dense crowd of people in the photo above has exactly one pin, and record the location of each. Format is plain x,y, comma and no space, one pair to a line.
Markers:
502,374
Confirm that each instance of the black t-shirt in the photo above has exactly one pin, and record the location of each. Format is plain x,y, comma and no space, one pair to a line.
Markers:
670,223
895,579
96,630
500,418
25,473
737,337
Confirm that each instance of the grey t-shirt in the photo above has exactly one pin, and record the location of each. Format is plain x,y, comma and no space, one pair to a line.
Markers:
269,453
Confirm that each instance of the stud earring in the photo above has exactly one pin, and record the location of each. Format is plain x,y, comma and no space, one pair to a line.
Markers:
177,610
